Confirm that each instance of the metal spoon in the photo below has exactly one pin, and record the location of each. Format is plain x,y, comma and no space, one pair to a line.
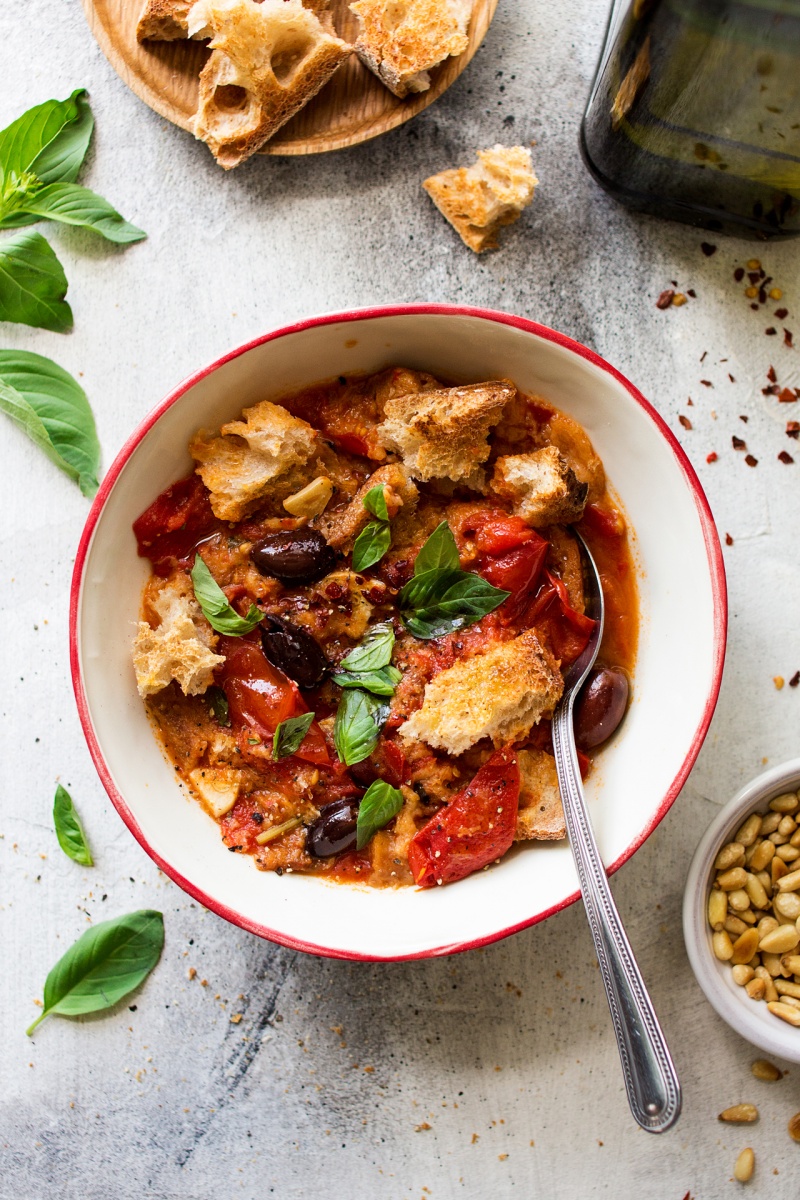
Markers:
654,1092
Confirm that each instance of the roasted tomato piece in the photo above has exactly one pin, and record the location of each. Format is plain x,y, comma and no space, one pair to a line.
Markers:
169,530
517,571
606,522
260,697
473,829
567,630
492,530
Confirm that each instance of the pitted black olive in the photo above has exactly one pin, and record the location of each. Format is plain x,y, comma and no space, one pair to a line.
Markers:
294,556
600,706
334,829
294,651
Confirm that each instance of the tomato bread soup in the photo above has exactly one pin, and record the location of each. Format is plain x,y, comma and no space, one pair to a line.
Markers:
360,606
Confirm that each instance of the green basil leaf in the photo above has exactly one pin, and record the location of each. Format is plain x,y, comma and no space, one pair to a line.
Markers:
439,602
50,140
219,705
379,804
439,552
375,502
214,603
289,735
33,284
51,407
74,205
373,652
359,718
69,830
381,682
107,962
371,545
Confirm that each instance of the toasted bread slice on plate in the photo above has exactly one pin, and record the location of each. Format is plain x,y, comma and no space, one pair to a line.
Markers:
402,40
479,200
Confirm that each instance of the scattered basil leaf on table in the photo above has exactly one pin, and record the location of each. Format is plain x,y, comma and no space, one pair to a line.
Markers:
289,735
51,407
379,804
219,705
440,597
33,284
107,962
69,830
357,726
371,545
439,552
214,603
74,205
49,140
375,502
381,682
373,651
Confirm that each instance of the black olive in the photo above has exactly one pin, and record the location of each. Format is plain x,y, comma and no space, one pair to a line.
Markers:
600,706
294,556
294,651
334,829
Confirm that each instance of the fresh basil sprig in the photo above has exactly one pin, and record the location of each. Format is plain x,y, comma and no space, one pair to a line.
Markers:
357,726
69,830
32,283
214,603
381,683
441,598
379,804
51,407
373,651
107,962
375,538
289,735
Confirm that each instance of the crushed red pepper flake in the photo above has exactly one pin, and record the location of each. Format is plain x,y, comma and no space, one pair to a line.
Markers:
706,383
666,298
738,274
771,332
788,337
755,307
728,540
712,457
793,429
780,313
742,417
771,375
771,390
793,682
754,277
738,443
691,292
703,356
685,422
708,248
787,396
731,377
690,402
785,457
750,460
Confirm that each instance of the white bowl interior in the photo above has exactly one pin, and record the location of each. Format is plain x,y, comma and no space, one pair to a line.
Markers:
676,674
748,1017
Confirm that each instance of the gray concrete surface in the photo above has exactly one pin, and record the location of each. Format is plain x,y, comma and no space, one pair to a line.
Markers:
491,1074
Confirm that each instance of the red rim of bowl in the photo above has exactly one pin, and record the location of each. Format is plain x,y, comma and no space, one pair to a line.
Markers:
716,570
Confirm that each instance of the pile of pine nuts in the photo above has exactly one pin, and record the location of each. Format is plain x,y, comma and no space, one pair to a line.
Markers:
754,906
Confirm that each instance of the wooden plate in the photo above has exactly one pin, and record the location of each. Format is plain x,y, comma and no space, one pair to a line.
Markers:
353,107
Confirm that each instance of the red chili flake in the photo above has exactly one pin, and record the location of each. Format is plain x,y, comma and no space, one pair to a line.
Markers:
674,282
706,383
786,396
703,355
731,377
793,682
793,429
665,299
685,422
738,444
708,249
780,313
787,337
754,277
771,376
691,292
772,390
712,457
742,417
751,462
785,457
762,295
690,402
754,307
771,331
738,274
728,540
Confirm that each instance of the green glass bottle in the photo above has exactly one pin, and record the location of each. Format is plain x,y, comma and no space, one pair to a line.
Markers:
694,113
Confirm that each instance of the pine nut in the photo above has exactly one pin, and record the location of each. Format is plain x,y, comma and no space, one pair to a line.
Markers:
766,925
784,938
732,880
785,803
745,947
738,900
794,1127
785,988
791,963
742,974
794,840
789,882
718,909
771,964
787,905
762,855
747,915
778,839
722,946
739,1114
733,925
749,831
769,824
311,500
756,989
763,1069
744,1166
778,870
765,879
789,854
787,826
755,890
731,855
786,1013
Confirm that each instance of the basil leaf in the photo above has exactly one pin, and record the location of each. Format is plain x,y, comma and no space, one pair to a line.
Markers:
439,602
289,735
74,205
359,718
375,502
69,830
107,962
439,552
219,705
51,407
371,545
50,140
373,652
33,284
214,603
381,682
379,804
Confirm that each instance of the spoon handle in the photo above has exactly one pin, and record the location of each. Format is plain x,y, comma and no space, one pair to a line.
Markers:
654,1092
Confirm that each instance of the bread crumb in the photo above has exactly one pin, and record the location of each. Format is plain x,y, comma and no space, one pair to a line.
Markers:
479,200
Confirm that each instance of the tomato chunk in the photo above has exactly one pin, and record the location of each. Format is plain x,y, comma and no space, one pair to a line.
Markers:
474,829
567,630
495,531
517,571
169,530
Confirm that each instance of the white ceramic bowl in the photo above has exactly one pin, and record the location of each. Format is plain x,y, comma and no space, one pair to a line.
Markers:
683,623
750,1018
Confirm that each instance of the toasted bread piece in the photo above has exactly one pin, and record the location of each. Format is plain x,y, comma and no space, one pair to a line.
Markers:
239,465
542,487
479,200
267,60
443,433
500,694
341,527
180,648
540,814
217,787
163,20
574,443
402,40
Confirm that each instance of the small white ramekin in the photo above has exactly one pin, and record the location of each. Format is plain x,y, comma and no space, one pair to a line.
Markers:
750,1018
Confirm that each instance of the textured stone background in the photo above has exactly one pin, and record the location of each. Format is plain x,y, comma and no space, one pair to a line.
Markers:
489,1074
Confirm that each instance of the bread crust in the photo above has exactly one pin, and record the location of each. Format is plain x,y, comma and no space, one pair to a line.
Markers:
540,814
541,486
402,43
479,200
340,527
